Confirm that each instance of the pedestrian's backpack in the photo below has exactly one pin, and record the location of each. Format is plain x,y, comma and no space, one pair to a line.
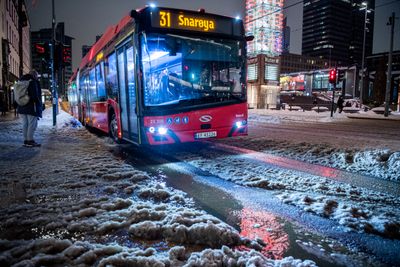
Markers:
21,92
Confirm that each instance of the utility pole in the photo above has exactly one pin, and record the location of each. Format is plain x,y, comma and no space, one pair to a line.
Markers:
21,23
53,71
333,100
389,72
333,80
361,85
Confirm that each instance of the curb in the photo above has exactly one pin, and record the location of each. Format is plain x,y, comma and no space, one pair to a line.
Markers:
373,118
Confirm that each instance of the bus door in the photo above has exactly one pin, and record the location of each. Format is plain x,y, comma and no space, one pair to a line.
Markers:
127,92
83,112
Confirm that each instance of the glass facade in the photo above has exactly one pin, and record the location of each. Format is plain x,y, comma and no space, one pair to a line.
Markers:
264,20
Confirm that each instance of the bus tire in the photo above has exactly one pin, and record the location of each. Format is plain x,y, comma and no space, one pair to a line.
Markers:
113,128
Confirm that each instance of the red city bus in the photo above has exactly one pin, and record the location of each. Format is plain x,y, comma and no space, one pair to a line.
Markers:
165,76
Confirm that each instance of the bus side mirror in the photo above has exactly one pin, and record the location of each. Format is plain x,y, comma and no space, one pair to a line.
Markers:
134,14
249,38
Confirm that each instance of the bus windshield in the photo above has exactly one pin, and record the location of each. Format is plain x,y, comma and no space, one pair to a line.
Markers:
181,70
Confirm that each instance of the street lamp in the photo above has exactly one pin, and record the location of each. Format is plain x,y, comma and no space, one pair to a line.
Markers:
361,85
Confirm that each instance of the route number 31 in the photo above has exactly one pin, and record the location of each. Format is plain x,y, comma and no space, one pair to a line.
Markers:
165,19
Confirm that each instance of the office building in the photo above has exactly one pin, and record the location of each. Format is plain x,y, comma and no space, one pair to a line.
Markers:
15,56
333,30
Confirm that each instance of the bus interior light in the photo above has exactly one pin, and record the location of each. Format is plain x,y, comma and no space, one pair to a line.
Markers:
162,130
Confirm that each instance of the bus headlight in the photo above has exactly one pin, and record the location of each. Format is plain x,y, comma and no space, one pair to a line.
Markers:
162,130
240,124
152,130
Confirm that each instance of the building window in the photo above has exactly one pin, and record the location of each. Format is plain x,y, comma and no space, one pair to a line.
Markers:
271,72
252,72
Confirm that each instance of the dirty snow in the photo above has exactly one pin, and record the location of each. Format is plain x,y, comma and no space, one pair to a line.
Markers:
71,202
377,158
354,207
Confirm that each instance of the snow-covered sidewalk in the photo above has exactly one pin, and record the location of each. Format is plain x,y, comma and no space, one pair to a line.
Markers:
349,151
72,203
278,116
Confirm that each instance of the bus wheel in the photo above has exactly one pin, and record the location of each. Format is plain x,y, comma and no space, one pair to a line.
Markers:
113,128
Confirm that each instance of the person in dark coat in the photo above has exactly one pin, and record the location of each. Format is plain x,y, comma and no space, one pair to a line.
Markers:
31,112
2,106
340,103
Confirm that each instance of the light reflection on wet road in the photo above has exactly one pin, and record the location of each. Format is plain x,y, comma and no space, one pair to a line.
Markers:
260,224
285,229
265,201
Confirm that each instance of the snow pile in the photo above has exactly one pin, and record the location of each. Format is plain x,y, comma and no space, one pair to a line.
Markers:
76,204
381,163
64,252
357,208
228,257
295,115
379,158
362,217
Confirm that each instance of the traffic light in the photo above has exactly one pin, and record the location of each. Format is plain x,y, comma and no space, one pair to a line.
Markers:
341,75
57,55
42,50
66,55
332,76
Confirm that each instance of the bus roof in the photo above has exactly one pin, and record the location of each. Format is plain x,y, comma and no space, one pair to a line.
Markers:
108,35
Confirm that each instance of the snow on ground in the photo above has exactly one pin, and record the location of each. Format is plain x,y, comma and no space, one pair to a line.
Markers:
357,208
382,162
71,202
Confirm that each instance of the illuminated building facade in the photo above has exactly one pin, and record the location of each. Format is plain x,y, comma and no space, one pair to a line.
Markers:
264,19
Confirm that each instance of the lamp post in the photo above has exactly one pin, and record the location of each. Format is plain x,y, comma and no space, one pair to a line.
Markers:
361,85
389,72
53,71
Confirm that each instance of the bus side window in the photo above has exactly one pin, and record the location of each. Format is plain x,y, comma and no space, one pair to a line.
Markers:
111,76
82,88
101,90
92,86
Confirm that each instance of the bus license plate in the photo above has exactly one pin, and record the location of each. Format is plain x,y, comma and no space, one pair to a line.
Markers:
205,135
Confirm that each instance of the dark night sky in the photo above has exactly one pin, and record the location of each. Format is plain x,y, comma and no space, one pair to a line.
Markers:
84,19
383,10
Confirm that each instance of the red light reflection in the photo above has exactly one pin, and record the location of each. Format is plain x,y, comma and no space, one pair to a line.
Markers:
265,226
283,162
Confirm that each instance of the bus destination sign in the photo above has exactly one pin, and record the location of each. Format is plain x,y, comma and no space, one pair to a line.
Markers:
179,20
